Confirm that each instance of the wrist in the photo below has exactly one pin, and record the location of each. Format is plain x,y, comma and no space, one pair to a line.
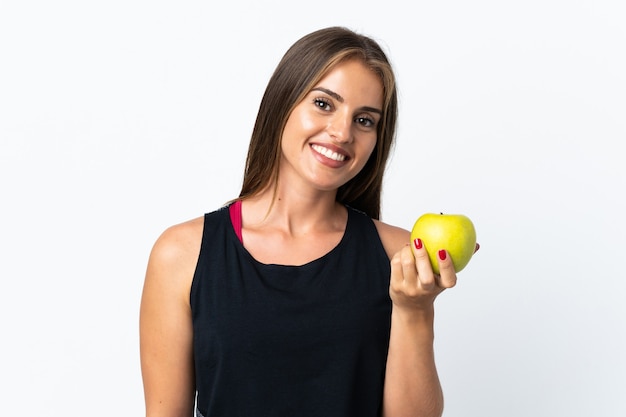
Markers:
421,317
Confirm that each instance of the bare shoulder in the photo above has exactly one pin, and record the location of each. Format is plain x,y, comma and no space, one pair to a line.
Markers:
392,237
175,253
179,239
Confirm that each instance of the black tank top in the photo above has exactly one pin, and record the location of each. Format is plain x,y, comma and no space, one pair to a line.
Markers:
276,340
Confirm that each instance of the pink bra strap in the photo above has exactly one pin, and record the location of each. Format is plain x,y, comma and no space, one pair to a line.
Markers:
235,218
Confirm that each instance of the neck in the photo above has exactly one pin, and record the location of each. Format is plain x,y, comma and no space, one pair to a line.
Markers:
294,212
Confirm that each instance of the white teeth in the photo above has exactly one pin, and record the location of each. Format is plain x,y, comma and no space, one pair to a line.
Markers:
328,153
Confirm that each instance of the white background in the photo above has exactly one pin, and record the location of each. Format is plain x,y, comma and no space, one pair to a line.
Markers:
121,118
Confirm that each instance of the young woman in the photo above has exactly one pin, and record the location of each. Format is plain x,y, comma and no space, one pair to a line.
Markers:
295,299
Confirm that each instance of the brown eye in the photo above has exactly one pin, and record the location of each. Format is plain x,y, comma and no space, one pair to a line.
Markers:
322,103
365,121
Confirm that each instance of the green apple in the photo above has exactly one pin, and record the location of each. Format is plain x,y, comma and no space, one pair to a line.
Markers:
453,232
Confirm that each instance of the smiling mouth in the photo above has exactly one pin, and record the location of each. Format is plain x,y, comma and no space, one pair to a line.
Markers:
330,154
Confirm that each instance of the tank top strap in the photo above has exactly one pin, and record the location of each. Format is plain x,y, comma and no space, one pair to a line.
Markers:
235,217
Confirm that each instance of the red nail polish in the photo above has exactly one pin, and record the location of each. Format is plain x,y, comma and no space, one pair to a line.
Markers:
418,243
442,255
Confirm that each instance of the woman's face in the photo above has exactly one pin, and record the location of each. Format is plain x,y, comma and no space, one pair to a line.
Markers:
330,135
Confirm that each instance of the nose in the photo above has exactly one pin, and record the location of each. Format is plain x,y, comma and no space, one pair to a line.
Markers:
340,128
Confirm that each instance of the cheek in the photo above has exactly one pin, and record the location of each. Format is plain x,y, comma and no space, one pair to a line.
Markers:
367,151
291,132
369,146
307,123
300,121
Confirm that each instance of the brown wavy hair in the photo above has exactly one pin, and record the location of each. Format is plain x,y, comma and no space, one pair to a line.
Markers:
304,64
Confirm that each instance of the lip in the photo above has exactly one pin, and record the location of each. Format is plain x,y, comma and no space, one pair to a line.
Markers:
328,161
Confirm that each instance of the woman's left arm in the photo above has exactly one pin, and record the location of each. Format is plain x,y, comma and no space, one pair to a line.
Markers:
412,386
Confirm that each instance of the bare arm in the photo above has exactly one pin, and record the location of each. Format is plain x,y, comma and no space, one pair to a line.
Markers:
166,337
412,386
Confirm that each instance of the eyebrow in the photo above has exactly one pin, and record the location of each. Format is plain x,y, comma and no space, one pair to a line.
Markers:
341,100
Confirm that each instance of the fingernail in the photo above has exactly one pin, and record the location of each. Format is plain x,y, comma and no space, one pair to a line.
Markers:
418,243
442,255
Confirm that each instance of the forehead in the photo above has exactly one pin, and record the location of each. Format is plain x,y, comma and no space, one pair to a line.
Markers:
354,80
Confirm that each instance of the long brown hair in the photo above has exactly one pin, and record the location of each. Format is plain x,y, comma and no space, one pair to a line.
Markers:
304,64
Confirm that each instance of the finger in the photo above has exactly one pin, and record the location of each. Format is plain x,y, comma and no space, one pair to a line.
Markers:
396,270
398,266
423,266
477,247
409,271
447,278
